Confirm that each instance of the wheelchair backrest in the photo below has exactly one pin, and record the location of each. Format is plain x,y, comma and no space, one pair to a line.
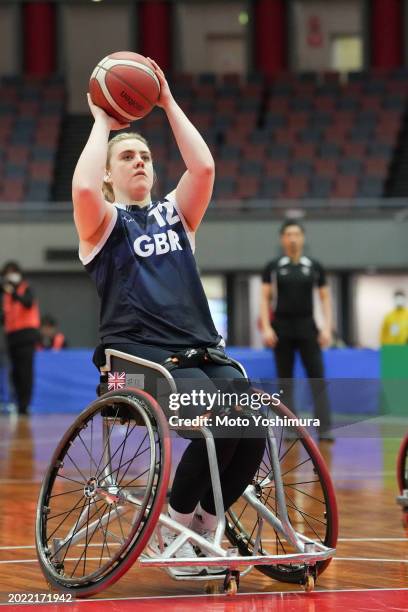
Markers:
123,370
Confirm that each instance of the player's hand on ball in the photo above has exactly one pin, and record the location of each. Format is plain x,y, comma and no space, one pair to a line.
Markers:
97,112
165,94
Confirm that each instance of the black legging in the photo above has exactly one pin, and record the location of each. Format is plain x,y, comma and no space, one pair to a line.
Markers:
22,364
239,454
311,355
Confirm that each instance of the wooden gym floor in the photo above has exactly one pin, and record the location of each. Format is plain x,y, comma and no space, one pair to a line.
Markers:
370,568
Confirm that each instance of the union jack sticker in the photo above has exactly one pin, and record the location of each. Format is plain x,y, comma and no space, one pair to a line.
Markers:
116,380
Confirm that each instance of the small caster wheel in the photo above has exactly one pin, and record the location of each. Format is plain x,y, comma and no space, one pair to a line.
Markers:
232,587
231,582
309,583
211,588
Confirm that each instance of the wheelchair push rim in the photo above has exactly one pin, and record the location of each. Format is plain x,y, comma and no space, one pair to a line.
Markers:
111,480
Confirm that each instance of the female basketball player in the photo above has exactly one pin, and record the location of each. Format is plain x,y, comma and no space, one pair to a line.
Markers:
140,255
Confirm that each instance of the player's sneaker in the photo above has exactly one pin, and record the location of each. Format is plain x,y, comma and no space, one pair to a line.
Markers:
198,527
185,551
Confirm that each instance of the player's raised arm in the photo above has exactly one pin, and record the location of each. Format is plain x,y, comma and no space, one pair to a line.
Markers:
193,192
90,208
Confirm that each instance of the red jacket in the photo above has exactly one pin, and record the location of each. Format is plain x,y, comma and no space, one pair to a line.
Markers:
17,316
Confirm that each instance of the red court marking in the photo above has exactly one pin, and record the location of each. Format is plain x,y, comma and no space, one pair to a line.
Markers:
324,601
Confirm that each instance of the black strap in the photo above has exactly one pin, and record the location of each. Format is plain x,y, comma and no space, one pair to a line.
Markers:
196,357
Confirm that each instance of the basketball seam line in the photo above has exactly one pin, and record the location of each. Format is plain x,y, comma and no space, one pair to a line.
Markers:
127,84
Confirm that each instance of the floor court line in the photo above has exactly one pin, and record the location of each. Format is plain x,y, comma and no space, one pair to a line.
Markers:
32,546
373,560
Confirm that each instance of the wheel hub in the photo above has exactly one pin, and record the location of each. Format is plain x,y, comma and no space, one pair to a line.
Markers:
90,489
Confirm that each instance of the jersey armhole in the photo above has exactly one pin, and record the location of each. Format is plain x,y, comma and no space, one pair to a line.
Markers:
98,247
171,197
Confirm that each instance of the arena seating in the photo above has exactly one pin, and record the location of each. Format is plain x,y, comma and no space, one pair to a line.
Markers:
31,112
307,136
297,136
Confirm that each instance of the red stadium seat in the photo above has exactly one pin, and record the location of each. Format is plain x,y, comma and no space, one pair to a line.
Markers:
376,166
276,167
254,151
41,170
247,187
325,103
325,167
278,105
344,187
175,169
295,187
227,168
301,150
354,149
226,105
285,135
298,121
17,154
12,190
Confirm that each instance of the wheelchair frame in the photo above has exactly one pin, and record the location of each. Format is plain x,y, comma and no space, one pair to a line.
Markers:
309,552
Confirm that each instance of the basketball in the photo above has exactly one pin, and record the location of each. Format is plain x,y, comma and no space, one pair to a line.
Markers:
125,85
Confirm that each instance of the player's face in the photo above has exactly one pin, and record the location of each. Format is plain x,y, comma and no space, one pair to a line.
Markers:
131,169
292,239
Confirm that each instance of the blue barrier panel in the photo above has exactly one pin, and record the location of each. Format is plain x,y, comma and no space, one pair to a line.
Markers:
352,376
65,381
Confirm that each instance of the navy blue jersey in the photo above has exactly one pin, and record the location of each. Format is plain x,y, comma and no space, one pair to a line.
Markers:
147,279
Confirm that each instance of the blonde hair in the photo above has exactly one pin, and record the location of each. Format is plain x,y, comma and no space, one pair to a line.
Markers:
107,188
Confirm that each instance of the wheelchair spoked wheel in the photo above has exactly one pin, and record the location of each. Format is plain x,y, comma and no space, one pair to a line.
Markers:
103,492
402,465
310,501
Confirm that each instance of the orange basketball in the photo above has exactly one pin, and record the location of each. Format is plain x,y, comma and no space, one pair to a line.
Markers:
125,85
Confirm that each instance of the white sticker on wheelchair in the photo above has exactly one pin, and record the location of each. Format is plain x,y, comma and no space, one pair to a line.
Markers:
135,380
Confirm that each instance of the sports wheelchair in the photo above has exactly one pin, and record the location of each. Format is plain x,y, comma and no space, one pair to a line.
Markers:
103,495
402,479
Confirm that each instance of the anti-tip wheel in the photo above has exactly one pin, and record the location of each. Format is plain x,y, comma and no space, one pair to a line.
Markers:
309,583
231,587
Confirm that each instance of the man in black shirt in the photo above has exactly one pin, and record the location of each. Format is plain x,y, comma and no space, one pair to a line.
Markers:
290,280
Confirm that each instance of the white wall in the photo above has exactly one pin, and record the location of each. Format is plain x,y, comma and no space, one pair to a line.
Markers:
336,17
372,300
211,37
9,37
89,33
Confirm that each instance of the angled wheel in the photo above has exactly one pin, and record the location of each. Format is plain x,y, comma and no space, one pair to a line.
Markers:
103,492
310,501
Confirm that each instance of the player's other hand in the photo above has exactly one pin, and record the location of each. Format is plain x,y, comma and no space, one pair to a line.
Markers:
98,113
166,96
269,337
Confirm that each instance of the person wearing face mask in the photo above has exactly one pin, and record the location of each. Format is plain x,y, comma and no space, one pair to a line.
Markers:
21,320
394,329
